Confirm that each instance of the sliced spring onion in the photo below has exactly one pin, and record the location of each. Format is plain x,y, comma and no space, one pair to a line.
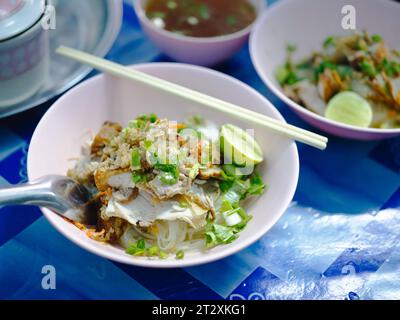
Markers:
153,251
136,159
180,254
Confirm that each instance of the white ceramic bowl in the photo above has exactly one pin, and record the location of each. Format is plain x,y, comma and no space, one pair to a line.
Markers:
199,51
307,23
66,125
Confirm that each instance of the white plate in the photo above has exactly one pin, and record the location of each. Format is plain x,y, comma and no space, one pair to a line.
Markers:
65,127
90,25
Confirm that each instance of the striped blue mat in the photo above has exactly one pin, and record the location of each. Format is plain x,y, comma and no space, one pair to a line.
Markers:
340,239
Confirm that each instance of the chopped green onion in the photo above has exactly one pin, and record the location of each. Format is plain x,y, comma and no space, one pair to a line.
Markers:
229,170
368,68
231,20
180,255
138,177
169,173
325,64
136,159
376,38
153,251
282,74
137,249
204,12
168,178
344,71
183,204
163,255
147,144
141,244
391,68
330,41
172,5
131,249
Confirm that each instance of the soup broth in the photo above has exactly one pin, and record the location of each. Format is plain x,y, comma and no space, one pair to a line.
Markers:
201,18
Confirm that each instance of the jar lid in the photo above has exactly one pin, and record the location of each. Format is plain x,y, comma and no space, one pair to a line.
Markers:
17,16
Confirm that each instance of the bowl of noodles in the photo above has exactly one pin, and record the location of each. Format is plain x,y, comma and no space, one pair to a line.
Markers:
344,80
168,192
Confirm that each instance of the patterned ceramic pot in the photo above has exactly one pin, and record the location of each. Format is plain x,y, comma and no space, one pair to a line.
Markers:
23,50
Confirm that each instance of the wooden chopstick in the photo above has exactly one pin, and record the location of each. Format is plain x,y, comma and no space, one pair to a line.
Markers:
116,69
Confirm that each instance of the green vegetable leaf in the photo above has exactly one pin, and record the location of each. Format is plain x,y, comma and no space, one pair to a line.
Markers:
257,185
224,234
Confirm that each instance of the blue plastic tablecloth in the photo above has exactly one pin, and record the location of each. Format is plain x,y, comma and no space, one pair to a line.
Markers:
340,239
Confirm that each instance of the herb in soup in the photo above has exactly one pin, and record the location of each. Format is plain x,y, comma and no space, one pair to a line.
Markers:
201,18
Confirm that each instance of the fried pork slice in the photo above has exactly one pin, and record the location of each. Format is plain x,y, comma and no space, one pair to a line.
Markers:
121,178
212,172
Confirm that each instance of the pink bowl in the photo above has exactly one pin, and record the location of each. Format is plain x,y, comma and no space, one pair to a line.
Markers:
199,51
296,22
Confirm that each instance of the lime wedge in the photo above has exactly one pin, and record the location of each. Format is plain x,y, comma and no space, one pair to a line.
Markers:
349,108
240,147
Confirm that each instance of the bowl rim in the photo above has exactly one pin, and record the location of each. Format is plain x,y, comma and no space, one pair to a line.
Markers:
273,10
169,263
216,39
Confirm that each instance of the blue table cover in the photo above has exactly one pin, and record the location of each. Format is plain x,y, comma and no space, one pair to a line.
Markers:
340,239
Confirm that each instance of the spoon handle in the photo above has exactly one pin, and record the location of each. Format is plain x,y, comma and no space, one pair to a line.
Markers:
36,193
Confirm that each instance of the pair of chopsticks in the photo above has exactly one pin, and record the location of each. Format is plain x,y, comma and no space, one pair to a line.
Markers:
277,126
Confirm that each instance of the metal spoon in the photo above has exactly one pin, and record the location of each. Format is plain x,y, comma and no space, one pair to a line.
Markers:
61,194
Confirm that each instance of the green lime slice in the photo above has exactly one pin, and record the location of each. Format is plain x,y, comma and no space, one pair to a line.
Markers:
239,147
349,108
